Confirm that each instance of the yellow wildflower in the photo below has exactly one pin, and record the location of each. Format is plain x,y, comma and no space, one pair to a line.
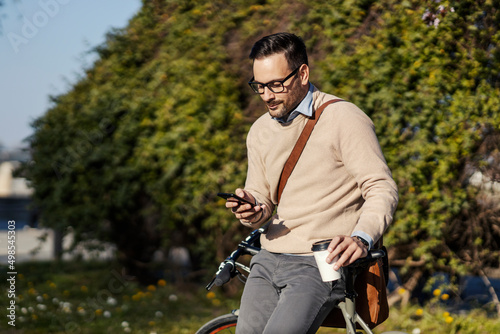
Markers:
52,285
98,312
419,312
436,292
448,320
210,295
151,287
162,282
446,314
401,291
445,296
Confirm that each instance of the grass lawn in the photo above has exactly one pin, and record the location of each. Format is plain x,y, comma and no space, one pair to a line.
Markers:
79,297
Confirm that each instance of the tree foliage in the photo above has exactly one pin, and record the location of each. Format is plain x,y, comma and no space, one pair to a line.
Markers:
427,73
136,150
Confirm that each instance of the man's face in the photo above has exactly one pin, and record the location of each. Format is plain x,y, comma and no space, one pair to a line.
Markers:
275,67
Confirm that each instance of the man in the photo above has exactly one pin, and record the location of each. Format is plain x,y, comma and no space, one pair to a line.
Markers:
340,189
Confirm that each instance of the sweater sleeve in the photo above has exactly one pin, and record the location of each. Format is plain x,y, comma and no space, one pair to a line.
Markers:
256,182
360,151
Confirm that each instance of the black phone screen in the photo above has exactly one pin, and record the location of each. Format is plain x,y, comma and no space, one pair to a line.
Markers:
227,196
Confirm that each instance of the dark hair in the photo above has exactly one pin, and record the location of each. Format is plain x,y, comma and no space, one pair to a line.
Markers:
291,45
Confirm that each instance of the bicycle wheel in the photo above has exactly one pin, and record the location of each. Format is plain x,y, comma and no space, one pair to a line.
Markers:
223,324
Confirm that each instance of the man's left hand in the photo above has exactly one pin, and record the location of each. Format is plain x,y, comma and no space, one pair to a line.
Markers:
348,248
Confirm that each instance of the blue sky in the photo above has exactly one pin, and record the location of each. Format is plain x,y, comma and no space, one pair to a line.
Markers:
43,48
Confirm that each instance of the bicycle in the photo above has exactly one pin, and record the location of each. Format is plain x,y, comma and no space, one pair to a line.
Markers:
229,268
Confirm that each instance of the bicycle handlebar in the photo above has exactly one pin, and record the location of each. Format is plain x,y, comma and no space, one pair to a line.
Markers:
227,269
373,255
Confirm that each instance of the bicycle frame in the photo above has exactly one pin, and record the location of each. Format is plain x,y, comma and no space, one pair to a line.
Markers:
348,307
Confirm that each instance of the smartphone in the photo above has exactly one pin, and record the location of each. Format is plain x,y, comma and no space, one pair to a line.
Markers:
239,199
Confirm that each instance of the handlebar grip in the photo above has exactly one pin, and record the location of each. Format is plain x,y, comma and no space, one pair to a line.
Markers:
373,255
225,274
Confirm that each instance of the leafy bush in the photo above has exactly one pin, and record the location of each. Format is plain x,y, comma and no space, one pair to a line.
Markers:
135,152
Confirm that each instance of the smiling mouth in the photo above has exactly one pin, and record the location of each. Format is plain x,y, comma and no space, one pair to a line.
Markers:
273,106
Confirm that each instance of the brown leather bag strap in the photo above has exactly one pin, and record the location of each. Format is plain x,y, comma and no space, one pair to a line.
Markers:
299,147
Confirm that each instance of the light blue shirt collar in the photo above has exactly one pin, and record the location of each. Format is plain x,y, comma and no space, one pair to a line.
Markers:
305,107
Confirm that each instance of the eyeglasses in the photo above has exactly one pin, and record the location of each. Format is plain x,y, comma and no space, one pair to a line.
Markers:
274,86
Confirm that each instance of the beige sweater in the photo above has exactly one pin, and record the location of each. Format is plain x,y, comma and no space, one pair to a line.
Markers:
340,184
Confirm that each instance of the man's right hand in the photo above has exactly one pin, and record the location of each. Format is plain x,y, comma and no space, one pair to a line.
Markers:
246,213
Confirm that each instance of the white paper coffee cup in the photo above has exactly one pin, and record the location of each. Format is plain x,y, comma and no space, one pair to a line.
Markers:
320,251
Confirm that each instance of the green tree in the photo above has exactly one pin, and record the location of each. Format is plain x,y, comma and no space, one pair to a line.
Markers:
136,150
427,73
140,145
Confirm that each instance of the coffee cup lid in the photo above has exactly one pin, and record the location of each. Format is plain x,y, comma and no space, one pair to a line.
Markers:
321,245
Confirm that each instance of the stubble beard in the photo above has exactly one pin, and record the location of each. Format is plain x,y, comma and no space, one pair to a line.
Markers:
284,107
280,112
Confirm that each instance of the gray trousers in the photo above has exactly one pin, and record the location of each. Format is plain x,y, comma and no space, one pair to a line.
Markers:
284,294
